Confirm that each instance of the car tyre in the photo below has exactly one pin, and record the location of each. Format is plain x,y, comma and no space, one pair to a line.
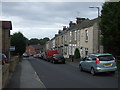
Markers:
92,71
80,68
53,62
63,62
112,72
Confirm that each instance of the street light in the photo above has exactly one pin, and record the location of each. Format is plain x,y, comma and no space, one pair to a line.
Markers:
99,31
97,8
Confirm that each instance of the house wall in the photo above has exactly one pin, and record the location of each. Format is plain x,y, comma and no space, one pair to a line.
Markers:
97,45
67,42
86,46
6,42
0,39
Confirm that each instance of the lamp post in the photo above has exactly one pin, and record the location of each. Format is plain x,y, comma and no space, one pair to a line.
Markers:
97,8
98,29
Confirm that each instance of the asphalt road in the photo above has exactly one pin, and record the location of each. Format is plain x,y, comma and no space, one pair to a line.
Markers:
69,76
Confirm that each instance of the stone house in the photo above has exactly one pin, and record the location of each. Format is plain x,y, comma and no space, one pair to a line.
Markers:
89,37
84,35
5,27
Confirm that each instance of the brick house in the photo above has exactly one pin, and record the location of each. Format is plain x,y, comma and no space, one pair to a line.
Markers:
34,49
5,27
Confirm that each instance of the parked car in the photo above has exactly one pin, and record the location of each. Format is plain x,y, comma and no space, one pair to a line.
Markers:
25,55
4,58
35,55
96,63
50,53
58,58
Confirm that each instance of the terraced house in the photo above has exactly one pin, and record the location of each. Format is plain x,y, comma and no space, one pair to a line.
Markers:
85,35
5,27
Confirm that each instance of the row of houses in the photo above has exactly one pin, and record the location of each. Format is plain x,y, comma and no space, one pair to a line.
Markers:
85,35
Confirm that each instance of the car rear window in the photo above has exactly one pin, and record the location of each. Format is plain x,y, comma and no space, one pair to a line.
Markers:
106,58
61,56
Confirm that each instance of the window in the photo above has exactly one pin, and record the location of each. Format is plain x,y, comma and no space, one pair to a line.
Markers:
106,58
86,51
75,35
86,35
65,38
70,36
62,40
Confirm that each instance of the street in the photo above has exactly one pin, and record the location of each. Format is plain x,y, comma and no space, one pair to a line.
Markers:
69,76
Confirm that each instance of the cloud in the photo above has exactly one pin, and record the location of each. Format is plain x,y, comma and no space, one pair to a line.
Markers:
41,19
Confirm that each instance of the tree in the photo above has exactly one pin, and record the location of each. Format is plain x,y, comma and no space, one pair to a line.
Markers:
110,26
44,40
19,41
77,53
33,41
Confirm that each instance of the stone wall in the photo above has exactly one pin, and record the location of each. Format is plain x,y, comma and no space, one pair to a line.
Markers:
7,69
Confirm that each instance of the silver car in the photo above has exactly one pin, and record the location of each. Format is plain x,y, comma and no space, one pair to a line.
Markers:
96,63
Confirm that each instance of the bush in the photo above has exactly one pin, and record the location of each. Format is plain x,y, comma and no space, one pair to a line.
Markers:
77,53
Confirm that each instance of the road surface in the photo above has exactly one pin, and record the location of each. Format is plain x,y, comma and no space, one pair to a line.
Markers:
69,76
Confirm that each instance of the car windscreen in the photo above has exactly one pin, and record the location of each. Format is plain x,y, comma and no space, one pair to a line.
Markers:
106,58
58,56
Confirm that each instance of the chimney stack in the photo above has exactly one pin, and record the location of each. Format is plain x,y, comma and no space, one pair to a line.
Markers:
64,28
79,20
71,24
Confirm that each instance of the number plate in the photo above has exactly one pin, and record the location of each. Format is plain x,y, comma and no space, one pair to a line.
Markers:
107,64
59,61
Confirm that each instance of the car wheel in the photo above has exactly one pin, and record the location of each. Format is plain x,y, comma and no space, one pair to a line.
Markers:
80,68
112,72
53,62
92,71
63,62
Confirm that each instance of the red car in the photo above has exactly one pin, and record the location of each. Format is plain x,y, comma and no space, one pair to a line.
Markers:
50,53
4,58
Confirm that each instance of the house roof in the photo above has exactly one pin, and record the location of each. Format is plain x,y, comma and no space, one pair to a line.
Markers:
83,24
37,46
6,25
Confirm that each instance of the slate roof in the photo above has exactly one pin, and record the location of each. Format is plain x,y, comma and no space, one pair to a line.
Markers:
83,24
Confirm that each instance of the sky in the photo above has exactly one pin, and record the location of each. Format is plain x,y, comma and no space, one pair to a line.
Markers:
44,19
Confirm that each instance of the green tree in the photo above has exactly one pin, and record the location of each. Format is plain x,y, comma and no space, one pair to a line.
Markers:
19,41
33,41
77,53
110,26
44,40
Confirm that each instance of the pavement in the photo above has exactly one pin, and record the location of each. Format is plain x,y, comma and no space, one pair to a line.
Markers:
25,77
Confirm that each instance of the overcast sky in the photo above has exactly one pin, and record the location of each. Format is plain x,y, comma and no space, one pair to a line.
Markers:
44,19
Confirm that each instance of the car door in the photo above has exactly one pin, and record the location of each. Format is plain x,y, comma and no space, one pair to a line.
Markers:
84,63
88,63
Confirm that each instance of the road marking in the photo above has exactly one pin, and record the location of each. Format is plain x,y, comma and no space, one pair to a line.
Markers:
37,78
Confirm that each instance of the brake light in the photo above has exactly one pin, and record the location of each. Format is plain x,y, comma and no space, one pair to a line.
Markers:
97,60
4,61
115,59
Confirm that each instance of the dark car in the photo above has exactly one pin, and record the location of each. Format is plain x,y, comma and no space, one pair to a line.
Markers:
58,58
4,58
